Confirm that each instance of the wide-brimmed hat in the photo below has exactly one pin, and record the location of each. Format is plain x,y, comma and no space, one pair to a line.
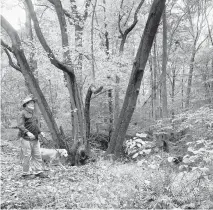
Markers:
27,100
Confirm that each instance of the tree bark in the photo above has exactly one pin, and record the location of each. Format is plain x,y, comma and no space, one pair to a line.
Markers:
155,102
79,21
110,105
117,102
106,34
191,69
173,90
79,124
92,43
133,88
206,84
91,90
109,92
31,81
164,64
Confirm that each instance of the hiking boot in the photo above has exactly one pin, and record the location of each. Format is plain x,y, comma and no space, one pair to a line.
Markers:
28,176
41,175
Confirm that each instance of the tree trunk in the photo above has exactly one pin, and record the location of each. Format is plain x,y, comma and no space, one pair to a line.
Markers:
109,92
87,111
110,105
123,41
117,102
133,88
173,91
191,69
155,104
29,39
207,85
164,64
92,43
78,47
75,98
31,82
151,86
79,124
91,90
212,80
121,50
182,89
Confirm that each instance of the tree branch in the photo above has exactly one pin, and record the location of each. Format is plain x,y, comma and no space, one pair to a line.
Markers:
135,18
119,19
6,46
66,12
43,42
11,32
11,61
129,14
6,49
198,47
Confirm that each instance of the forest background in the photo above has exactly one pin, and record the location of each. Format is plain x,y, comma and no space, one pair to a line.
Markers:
104,38
189,58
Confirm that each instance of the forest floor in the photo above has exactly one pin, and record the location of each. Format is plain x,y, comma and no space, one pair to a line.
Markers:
98,185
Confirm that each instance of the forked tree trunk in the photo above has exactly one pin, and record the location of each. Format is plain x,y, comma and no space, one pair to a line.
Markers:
31,82
79,124
123,35
67,69
133,88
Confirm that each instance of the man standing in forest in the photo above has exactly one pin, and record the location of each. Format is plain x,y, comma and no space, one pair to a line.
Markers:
29,130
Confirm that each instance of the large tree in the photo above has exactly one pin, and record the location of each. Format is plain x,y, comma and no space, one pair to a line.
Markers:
138,69
23,66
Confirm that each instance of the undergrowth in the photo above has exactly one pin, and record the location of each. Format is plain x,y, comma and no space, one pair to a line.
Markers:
148,183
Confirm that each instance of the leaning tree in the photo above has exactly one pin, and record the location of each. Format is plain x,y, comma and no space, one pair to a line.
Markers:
118,136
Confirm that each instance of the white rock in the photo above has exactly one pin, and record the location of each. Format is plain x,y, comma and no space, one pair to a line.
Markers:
135,155
141,135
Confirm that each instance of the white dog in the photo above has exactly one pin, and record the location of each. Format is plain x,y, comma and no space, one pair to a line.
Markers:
50,155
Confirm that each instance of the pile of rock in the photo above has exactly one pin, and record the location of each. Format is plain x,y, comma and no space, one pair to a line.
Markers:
140,145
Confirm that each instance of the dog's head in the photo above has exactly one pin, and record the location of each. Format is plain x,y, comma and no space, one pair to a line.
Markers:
62,152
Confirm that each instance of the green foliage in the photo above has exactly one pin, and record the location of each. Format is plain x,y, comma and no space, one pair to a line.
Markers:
137,147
